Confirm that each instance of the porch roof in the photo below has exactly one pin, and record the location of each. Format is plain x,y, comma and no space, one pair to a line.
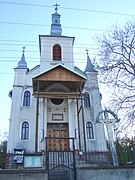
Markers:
58,80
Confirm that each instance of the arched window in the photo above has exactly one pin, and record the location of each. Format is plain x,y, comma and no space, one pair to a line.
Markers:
89,130
25,130
26,99
57,52
86,100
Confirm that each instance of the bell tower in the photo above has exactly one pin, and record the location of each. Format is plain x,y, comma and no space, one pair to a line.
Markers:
56,26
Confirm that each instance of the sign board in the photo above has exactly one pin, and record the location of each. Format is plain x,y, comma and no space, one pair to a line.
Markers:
32,161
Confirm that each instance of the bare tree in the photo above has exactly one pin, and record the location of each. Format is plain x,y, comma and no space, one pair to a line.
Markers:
116,64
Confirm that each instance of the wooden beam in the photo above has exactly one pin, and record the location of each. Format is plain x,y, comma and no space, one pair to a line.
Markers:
56,94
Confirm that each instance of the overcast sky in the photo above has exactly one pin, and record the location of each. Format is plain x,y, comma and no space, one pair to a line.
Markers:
22,21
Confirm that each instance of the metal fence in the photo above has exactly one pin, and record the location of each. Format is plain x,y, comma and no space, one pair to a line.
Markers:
93,158
104,158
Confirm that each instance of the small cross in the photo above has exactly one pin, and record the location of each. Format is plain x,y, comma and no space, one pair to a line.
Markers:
23,49
87,51
56,8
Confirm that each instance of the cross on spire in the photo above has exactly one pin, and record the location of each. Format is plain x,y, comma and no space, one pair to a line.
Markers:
23,49
56,7
87,51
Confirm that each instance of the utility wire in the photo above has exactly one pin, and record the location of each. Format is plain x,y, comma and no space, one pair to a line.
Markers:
75,47
33,52
42,25
67,8
12,40
43,59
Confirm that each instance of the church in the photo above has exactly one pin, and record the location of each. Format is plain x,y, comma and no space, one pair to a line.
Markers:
55,102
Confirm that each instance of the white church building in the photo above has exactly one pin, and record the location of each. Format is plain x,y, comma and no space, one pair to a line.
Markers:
55,100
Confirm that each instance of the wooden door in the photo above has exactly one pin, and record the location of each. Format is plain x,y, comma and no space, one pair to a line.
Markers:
58,131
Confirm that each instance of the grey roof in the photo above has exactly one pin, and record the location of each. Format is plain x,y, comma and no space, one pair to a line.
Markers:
89,66
79,71
22,63
56,14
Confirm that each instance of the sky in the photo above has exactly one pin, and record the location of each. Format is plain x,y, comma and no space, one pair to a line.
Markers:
22,21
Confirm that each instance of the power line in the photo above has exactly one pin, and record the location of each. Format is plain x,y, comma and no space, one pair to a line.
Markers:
25,4
42,25
13,40
75,47
96,11
10,40
12,50
26,24
1,50
78,59
3,44
67,8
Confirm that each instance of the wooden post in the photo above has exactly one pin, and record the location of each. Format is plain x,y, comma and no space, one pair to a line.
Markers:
84,136
78,126
37,113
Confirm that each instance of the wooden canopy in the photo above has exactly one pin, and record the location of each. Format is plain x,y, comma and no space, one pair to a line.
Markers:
58,81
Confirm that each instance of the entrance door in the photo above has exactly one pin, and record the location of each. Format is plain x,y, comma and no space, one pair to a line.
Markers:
59,134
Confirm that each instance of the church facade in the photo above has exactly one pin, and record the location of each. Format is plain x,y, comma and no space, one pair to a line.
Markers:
55,100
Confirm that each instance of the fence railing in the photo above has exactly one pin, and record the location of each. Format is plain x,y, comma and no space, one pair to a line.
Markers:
104,158
92,158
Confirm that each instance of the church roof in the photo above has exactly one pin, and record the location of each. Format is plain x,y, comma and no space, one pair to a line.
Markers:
89,66
79,71
22,63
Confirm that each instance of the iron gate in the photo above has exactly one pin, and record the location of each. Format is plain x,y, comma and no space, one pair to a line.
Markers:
61,164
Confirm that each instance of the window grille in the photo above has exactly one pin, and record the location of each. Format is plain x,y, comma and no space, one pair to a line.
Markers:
57,52
25,130
89,130
26,100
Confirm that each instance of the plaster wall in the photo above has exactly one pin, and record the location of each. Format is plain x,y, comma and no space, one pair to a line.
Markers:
20,113
91,87
47,44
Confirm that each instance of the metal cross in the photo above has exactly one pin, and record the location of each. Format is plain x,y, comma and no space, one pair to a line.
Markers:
23,49
87,51
109,126
56,8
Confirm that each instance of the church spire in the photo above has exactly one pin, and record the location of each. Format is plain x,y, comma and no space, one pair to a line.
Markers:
89,66
22,63
56,26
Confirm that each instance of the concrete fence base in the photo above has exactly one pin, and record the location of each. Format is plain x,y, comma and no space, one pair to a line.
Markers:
25,174
83,173
115,173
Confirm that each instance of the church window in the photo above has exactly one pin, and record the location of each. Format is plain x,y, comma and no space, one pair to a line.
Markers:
57,52
89,130
25,130
26,100
56,21
86,100
57,101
